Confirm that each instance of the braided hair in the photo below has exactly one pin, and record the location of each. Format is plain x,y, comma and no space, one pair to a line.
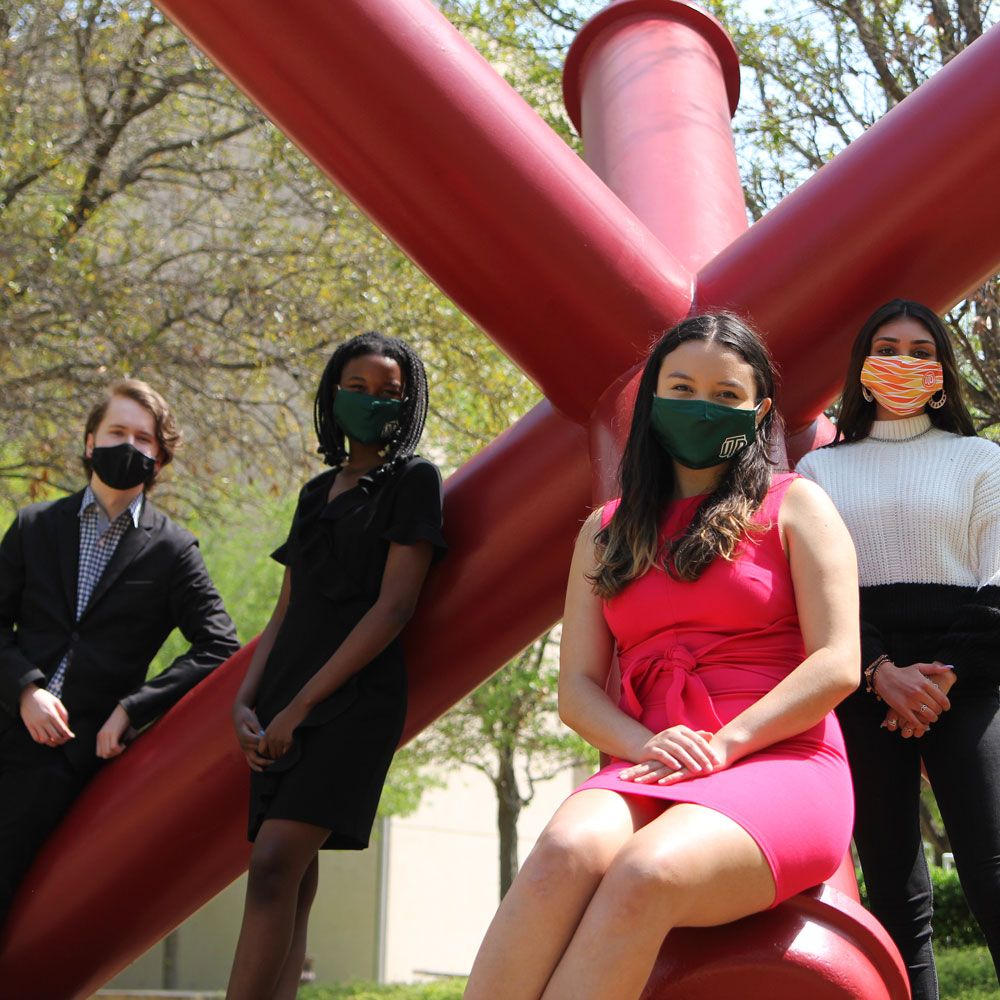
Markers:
403,443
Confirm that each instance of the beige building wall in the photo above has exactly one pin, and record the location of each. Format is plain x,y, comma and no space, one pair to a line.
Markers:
414,906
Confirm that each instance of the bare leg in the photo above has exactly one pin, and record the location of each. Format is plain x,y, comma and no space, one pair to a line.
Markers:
288,981
282,858
540,913
690,867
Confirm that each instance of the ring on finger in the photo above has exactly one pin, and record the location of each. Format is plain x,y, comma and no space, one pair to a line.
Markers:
892,723
922,709
907,729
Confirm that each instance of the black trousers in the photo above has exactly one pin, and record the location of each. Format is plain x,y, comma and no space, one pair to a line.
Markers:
37,787
962,755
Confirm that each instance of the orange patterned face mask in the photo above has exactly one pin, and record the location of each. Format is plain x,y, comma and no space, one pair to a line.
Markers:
902,385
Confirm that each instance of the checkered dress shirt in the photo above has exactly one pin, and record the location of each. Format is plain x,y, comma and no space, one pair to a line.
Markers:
98,540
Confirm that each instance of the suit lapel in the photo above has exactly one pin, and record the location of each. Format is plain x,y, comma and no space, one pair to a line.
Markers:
132,543
68,548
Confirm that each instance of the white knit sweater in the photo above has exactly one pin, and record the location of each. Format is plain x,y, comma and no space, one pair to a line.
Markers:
922,505
923,508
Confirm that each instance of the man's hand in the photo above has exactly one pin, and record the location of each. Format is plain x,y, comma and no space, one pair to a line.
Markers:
45,716
109,743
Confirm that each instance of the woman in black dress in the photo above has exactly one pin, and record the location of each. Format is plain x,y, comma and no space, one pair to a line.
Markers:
322,706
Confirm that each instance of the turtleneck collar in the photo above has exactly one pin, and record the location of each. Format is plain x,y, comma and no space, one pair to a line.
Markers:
904,429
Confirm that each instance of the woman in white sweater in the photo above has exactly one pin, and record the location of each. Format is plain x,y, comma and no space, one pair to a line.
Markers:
920,494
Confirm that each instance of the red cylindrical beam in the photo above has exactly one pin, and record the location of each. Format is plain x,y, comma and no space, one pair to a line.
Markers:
609,427
652,85
442,154
909,209
156,834
170,813
819,944
511,518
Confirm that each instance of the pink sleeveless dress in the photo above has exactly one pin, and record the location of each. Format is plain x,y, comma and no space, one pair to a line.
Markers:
699,653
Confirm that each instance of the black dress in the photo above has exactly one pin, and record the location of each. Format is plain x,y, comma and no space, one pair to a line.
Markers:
332,775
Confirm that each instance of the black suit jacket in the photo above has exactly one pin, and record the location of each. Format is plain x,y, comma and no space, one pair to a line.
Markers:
156,581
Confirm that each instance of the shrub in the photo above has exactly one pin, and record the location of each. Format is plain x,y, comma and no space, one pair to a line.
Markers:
954,925
966,974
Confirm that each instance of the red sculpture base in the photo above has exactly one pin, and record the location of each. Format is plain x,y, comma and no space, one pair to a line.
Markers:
819,945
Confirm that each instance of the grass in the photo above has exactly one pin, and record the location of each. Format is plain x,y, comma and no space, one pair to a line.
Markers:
966,974
446,989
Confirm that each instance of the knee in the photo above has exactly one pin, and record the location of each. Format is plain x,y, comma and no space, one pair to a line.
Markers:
644,881
564,854
272,874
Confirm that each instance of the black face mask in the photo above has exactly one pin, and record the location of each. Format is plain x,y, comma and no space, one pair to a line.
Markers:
122,466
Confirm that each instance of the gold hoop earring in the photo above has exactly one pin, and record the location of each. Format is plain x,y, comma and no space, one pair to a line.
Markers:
936,404
869,398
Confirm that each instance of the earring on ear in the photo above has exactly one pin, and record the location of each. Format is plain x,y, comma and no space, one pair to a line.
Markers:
936,404
869,398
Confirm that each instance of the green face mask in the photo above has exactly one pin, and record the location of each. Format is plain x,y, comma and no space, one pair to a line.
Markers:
365,418
699,434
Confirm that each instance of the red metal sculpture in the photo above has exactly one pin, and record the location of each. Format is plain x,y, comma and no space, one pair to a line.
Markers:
572,277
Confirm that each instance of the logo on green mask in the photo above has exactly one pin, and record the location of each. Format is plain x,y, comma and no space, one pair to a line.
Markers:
366,419
700,434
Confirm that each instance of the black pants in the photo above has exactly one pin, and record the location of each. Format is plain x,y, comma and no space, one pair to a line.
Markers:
37,787
962,755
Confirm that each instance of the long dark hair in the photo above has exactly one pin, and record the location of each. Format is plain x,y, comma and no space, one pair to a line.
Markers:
857,415
403,443
630,544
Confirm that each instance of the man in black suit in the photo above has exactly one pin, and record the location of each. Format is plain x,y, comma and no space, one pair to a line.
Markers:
90,587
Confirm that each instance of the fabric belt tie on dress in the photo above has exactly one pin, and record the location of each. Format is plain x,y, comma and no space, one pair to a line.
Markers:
687,699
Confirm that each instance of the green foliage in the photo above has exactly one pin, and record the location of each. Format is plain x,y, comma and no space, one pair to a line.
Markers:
406,782
818,73
966,974
954,925
448,989
821,72
236,555
526,41
154,224
509,729
513,714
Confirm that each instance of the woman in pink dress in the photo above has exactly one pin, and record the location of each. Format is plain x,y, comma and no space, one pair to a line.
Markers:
730,598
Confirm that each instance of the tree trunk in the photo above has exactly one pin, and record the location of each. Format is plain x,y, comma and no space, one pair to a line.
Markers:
508,809
171,957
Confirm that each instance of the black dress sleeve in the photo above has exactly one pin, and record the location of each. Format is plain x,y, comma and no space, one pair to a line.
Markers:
416,510
284,552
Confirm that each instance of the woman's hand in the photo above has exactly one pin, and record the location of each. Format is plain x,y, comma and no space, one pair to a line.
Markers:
278,737
916,695
673,754
249,734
